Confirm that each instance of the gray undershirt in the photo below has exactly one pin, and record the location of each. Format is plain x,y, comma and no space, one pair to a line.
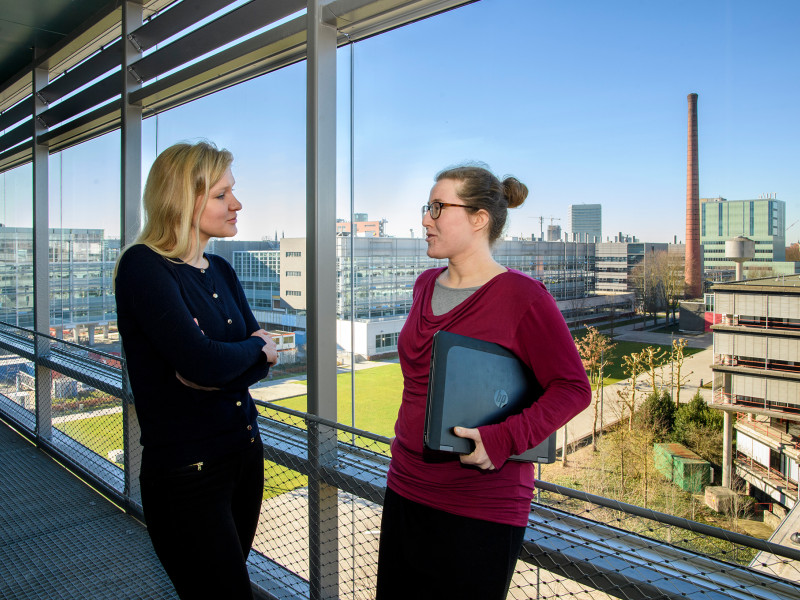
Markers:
445,298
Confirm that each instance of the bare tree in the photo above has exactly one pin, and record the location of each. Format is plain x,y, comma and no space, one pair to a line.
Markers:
592,346
677,357
647,289
669,277
652,360
633,367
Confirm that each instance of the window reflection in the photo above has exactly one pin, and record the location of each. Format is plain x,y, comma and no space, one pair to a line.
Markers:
84,242
16,247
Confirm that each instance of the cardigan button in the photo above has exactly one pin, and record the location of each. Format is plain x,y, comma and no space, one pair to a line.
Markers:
239,403
214,295
230,321
249,427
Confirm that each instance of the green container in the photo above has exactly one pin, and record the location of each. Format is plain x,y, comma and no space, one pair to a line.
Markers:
682,467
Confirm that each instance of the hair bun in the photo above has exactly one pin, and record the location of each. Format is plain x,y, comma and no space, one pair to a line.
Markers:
515,191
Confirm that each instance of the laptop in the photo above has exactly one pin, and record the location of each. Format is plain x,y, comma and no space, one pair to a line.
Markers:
472,383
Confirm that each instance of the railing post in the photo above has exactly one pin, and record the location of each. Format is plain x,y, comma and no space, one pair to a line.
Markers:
41,274
130,220
321,307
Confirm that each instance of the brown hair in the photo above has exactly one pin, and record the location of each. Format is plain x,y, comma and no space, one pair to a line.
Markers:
480,189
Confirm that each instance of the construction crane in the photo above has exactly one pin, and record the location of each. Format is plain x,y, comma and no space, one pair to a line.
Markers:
541,224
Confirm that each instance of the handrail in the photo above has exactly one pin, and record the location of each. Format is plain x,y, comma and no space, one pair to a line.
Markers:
694,526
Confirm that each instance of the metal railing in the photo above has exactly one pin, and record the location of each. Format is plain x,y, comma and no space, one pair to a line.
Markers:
324,486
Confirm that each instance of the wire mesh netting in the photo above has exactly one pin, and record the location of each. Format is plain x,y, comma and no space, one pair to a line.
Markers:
324,483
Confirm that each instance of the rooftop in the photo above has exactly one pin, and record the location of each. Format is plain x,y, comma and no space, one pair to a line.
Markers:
789,284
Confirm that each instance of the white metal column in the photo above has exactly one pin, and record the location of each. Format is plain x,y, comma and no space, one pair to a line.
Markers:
130,221
321,286
41,273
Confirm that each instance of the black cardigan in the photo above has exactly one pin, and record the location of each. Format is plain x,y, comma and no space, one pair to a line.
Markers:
157,303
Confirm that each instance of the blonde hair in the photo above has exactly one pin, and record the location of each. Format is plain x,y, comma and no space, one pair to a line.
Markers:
179,176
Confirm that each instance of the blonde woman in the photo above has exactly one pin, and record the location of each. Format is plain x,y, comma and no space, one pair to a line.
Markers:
193,348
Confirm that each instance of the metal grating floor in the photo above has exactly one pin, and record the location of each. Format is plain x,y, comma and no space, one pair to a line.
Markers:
59,539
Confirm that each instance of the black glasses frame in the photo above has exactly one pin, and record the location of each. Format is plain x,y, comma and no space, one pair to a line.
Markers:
435,208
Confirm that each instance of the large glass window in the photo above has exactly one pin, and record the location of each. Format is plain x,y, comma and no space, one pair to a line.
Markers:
84,241
262,123
16,247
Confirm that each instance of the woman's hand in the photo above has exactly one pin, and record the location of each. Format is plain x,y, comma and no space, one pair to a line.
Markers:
269,348
478,457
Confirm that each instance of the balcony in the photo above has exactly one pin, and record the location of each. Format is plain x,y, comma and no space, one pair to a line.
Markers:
748,404
320,516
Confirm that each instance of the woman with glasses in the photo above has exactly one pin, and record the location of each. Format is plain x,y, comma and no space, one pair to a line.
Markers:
453,526
193,348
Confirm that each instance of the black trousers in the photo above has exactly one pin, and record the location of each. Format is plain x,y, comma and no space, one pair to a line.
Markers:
430,554
202,522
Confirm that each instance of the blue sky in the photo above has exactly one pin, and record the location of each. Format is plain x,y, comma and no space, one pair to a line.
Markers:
582,101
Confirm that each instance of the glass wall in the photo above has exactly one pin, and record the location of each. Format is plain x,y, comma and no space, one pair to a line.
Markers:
584,103
262,123
84,241
16,247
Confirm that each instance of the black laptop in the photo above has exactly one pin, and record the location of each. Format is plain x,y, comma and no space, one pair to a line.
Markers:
472,383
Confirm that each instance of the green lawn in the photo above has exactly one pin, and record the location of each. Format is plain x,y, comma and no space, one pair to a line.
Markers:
101,434
378,394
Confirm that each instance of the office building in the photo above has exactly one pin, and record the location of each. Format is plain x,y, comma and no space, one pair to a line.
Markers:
757,383
762,220
364,227
586,222
80,266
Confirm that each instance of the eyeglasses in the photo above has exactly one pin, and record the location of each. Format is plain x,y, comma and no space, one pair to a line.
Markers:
435,208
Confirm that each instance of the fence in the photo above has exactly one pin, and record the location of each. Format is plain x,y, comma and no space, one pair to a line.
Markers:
324,485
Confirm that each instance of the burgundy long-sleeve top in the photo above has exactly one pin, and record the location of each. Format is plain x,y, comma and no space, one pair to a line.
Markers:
517,312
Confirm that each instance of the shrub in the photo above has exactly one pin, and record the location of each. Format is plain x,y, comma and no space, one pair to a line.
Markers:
657,414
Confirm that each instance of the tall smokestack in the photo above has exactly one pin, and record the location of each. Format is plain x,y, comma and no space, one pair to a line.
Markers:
693,269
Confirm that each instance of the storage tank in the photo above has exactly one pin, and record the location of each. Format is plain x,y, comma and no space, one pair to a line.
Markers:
740,249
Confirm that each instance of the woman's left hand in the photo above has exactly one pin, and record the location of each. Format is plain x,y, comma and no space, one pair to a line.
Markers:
478,457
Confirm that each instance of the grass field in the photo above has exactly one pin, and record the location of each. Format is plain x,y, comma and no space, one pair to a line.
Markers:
377,398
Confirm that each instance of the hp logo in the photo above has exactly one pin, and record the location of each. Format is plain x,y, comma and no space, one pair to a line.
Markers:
500,398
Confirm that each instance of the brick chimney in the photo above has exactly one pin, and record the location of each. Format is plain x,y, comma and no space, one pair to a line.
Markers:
693,270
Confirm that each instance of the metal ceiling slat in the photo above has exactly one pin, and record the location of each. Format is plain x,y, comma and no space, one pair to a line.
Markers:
268,51
16,157
100,63
273,49
227,28
175,20
96,94
100,121
19,134
15,114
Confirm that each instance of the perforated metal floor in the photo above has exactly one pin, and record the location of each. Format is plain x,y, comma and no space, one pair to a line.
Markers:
59,539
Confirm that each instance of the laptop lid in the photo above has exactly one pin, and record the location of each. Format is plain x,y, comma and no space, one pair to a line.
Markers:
472,383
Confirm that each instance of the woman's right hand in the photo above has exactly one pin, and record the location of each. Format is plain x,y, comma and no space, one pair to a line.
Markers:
269,348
